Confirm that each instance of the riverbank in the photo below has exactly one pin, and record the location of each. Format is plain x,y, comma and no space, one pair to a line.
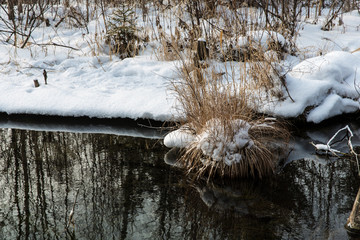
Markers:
317,79
89,124
144,128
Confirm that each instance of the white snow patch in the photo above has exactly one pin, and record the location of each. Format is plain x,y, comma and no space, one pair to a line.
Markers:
327,83
85,82
213,141
180,138
333,105
261,39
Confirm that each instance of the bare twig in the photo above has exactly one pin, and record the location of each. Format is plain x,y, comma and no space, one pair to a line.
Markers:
352,149
328,24
355,85
57,45
45,76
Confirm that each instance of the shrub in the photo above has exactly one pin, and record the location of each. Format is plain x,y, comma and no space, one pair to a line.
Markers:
122,31
236,148
229,138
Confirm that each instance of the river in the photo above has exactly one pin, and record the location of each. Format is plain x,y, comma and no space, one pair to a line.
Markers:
97,181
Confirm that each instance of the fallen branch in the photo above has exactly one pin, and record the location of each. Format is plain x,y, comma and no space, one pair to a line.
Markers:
57,45
327,147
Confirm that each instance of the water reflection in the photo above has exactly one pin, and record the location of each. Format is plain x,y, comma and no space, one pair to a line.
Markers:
41,172
120,188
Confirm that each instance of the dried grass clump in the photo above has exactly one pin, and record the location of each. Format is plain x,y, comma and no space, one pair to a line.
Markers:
257,158
231,140
220,103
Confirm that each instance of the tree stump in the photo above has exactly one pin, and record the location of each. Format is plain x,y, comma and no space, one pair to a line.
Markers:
36,83
202,50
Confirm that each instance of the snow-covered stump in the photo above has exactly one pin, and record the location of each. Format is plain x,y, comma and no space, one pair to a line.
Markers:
353,223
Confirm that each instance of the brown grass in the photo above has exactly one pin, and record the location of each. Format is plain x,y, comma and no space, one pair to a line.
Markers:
206,95
258,161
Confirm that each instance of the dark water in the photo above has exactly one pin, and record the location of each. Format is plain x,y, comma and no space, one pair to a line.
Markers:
119,187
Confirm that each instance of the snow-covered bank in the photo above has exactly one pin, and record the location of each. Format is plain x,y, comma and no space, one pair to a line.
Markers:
328,84
88,86
84,80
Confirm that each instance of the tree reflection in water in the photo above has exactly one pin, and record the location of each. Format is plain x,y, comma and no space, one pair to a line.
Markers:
116,178
120,188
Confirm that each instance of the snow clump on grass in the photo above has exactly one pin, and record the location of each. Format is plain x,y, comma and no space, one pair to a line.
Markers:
230,148
215,143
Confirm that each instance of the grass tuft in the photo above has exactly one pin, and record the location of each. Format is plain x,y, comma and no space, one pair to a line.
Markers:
231,139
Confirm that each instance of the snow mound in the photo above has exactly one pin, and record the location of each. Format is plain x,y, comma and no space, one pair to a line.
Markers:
89,86
180,138
328,85
83,80
261,39
333,105
216,143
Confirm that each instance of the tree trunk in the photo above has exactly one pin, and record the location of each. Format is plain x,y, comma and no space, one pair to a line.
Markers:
20,8
11,13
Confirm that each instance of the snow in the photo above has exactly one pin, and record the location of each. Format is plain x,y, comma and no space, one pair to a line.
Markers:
89,86
328,84
85,80
214,141
261,39
332,105
180,138
322,147
327,147
81,127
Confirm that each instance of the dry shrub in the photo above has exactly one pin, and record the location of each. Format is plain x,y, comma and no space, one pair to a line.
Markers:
221,107
202,100
258,161
169,49
267,79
